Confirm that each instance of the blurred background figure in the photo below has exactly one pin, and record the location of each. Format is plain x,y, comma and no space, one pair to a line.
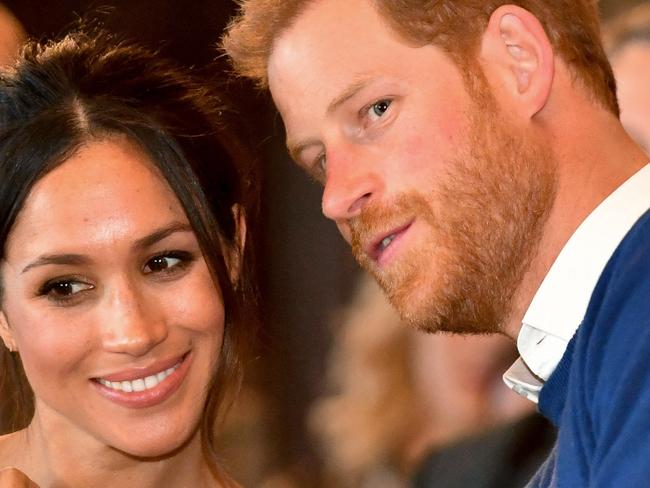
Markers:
12,36
401,399
627,39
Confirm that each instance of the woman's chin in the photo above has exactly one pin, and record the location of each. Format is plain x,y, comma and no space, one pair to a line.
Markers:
154,447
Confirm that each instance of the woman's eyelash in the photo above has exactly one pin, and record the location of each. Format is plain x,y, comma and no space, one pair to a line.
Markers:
64,288
168,261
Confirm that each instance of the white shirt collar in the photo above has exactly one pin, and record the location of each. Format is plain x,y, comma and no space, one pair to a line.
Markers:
561,301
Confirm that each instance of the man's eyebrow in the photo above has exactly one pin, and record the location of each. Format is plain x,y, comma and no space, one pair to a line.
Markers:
295,148
351,90
80,259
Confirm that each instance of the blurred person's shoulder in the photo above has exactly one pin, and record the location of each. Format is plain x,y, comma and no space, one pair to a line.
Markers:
506,456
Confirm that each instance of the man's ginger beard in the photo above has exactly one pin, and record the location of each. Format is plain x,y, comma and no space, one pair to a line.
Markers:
485,217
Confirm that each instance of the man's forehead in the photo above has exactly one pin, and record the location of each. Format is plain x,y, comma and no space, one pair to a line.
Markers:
332,45
330,33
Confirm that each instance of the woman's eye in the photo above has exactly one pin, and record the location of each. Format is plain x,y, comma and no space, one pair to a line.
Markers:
167,262
160,263
378,109
61,289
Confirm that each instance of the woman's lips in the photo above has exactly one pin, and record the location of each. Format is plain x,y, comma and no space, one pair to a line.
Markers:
144,388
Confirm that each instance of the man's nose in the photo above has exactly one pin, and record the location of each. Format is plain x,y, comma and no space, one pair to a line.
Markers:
350,185
132,324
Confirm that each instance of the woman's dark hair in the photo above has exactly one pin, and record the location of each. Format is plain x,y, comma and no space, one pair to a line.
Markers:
89,87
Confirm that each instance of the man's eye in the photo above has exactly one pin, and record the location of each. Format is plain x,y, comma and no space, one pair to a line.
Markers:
378,109
64,288
167,262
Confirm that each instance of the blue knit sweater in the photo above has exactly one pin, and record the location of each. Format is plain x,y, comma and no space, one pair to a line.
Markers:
599,395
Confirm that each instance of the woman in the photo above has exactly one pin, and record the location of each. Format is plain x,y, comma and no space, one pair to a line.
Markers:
125,288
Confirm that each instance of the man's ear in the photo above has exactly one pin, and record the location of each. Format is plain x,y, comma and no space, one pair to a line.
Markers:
5,333
518,58
235,256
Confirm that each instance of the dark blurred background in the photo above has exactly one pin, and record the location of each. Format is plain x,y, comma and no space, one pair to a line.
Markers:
306,270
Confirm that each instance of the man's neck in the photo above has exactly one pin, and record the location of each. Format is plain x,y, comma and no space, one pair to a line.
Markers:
594,156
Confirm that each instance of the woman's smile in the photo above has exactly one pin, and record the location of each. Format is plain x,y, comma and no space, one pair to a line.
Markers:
142,388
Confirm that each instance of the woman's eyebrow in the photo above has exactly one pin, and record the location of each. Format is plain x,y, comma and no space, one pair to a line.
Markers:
141,243
160,234
57,259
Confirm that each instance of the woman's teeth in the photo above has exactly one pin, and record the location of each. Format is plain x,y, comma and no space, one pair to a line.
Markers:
140,384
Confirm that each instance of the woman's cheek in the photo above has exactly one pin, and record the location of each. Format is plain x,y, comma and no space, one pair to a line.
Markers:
49,343
198,304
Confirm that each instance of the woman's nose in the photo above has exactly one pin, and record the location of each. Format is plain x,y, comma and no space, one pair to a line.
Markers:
132,323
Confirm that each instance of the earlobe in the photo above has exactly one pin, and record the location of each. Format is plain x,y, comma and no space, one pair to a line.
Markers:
6,334
516,49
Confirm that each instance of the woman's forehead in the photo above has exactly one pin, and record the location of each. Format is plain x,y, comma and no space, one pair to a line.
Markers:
107,191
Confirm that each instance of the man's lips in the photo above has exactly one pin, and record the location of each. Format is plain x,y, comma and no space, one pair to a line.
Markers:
377,247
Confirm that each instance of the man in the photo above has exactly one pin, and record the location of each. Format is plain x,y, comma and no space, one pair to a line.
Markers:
472,155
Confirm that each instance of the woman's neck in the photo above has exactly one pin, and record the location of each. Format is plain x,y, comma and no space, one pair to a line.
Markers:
52,454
